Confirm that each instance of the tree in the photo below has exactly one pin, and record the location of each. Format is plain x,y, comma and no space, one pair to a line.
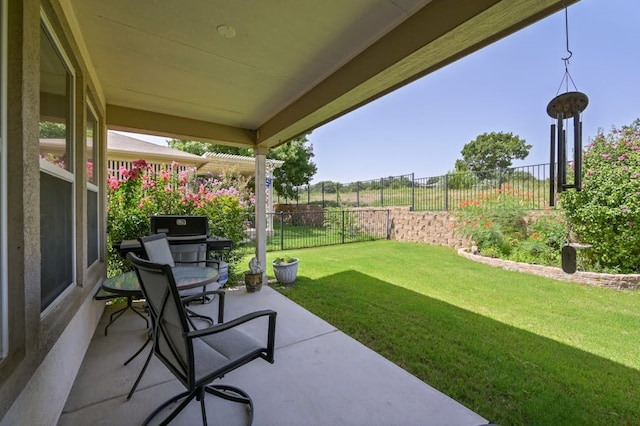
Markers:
298,169
52,130
495,150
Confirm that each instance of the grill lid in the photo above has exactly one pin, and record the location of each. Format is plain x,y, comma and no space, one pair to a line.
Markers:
181,227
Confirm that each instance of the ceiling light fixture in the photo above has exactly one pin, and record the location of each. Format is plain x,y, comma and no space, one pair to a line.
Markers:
226,31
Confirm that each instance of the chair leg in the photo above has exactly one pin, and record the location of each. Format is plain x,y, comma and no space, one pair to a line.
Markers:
132,357
227,392
230,393
188,396
203,409
144,368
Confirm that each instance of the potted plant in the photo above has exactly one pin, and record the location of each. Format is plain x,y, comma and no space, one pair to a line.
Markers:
285,269
253,277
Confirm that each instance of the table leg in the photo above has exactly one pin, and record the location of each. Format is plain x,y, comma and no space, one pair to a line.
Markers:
117,314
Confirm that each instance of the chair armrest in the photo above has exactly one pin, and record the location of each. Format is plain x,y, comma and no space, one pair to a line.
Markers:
241,320
221,295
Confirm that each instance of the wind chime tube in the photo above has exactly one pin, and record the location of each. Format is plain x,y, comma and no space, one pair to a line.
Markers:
562,173
552,167
577,151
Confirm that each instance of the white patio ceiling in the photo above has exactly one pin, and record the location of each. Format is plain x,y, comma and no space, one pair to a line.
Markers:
168,68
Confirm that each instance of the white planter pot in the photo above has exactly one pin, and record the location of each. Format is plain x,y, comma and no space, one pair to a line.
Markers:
286,273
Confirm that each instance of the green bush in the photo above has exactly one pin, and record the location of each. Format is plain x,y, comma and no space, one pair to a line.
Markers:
139,193
545,237
606,212
494,221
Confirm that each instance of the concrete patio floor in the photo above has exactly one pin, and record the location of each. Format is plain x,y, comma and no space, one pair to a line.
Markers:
320,376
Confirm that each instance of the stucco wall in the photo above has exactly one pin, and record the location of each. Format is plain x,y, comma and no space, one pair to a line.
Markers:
45,349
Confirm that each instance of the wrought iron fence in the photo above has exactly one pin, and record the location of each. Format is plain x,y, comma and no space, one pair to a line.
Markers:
325,227
435,193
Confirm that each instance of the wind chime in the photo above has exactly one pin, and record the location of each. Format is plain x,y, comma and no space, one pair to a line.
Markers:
562,108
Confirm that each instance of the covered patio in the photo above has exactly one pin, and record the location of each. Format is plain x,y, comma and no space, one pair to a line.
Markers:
321,377
247,74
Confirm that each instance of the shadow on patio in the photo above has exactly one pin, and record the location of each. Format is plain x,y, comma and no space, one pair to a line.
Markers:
321,376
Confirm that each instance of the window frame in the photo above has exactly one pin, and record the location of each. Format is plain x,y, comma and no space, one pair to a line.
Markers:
97,177
58,172
4,273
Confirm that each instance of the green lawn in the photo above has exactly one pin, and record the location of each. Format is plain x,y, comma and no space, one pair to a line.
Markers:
518,349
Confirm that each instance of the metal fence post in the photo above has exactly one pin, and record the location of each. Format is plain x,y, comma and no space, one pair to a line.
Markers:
281,230
388,225
323,205
381,192
413,192
343,226
446,192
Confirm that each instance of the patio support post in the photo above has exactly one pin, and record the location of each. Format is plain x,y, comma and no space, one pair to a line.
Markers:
261,207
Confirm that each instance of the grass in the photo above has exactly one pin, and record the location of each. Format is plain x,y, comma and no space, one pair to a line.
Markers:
518,349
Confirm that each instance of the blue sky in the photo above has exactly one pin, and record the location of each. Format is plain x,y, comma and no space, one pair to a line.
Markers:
422,127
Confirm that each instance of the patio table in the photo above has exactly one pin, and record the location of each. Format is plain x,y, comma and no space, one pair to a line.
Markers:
127,285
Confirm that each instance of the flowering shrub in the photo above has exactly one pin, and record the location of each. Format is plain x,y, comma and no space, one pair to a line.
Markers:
606,212
546,234
494,221
139,193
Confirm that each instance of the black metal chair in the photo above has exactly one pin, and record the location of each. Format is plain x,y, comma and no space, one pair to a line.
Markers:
197,357
157,249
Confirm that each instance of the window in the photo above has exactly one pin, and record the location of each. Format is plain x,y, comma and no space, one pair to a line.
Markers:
57,235
93,186
4,302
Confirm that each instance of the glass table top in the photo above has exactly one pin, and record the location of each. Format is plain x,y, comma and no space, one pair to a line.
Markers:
186,277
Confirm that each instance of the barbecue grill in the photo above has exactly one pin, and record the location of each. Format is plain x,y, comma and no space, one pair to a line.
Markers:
188,238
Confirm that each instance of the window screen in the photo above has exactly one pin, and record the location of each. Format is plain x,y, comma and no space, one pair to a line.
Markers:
56,171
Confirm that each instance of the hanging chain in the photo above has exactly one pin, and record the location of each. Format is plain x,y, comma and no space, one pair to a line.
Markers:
567,77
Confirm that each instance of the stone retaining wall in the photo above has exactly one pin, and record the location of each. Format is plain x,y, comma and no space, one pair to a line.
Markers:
436,228
614,281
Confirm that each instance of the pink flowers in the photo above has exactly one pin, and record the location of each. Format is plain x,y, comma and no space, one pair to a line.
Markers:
112,183
171,191
140,164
